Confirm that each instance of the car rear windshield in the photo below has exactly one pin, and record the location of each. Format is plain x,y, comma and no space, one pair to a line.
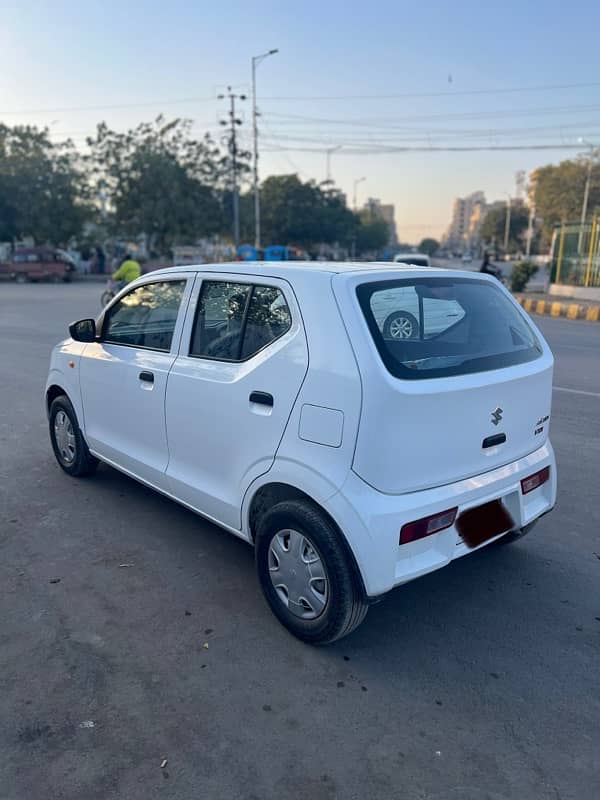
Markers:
432,328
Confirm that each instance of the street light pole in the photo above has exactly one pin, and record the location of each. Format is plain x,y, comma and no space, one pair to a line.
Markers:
255,62
507,225
356,182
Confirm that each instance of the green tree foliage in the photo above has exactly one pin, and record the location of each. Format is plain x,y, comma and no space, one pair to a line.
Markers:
160,181
493,227
372,233
305,214
520,275
42,187
558,193
429,246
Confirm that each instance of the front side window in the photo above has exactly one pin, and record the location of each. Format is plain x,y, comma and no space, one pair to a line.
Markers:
429,327
146,316
235,320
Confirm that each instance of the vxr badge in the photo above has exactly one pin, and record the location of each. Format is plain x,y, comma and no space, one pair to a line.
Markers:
497,415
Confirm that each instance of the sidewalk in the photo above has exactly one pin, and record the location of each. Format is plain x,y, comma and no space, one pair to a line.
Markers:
570,308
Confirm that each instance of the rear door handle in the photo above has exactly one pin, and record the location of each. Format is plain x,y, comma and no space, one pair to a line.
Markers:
264,398
146,376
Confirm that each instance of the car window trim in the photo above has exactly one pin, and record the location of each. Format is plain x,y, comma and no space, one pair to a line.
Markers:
104,319
252,286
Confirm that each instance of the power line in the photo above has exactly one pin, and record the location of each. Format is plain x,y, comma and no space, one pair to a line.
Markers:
116,106
389,149
462,93
401,95
504,113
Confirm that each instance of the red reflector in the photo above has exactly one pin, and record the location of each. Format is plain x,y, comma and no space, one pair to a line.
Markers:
535,480
427,525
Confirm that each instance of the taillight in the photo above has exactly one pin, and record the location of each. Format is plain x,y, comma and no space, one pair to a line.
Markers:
427,525
533,481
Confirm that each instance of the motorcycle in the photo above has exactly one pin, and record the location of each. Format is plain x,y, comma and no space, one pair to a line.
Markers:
111,290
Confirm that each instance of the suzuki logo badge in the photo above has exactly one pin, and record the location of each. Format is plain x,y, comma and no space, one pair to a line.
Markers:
497,415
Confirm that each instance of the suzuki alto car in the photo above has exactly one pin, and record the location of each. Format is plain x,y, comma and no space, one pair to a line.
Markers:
274,400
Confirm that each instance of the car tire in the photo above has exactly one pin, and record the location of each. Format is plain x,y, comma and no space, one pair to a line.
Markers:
21,277
68,444
322,600
400,325
55,278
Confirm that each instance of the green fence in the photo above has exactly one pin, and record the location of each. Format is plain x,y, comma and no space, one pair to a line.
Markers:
576,254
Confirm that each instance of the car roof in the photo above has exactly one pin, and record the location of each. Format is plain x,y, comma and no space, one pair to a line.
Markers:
283,269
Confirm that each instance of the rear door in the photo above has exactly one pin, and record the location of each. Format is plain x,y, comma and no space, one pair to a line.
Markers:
123,377
472,392
242,361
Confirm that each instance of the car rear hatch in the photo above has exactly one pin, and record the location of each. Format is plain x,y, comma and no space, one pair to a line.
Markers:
466,389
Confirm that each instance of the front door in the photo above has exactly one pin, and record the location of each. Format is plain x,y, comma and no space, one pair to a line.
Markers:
124,376
242,361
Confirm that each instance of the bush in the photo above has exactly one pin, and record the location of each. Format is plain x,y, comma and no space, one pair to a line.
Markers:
520,275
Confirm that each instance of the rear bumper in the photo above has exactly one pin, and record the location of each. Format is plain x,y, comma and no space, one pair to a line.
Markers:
371,520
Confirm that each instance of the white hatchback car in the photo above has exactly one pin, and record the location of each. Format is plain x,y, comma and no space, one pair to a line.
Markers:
271,399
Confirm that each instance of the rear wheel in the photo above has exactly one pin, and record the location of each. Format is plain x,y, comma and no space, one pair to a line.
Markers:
306,573
401,325
70,449
54,278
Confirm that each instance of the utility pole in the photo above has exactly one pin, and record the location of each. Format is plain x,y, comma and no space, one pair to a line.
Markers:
586,192
256,60
232,143
328,153
356,182
507,226
530,229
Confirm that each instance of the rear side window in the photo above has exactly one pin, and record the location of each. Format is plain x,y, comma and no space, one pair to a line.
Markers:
235,320
434,328
146,316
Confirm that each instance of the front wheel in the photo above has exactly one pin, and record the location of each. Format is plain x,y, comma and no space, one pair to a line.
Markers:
306,573
107,296
21,277
401,325
70,449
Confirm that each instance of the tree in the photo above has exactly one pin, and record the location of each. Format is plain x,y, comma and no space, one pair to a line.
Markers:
372,233
429,246
494,224
160,181
558,193
304,214
42,187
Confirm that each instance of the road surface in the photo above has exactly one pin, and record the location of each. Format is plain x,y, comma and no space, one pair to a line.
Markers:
134,633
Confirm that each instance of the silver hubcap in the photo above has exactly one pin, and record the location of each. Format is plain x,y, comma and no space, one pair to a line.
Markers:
65,437
401,328
298,574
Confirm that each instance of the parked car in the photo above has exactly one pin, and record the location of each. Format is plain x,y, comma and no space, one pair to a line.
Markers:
274,403
467,258
416,259
38,263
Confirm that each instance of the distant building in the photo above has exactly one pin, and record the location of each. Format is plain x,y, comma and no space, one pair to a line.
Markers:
467,215
386,212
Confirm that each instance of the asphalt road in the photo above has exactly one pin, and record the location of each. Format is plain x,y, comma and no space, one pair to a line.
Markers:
479,681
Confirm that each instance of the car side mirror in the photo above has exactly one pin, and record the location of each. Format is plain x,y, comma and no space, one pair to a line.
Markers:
84,330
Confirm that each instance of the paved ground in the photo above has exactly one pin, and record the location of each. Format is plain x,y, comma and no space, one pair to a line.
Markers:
480,681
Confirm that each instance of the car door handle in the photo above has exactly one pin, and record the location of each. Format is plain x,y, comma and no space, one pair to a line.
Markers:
147,377
263,398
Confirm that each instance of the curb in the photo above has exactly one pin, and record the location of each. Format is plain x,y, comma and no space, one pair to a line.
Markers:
555,308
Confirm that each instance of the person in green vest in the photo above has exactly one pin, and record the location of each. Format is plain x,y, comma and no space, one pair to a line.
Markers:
128,271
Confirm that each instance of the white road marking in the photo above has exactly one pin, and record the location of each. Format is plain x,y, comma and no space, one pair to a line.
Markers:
575,391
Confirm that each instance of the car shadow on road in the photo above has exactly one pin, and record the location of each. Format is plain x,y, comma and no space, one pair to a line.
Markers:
481,608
